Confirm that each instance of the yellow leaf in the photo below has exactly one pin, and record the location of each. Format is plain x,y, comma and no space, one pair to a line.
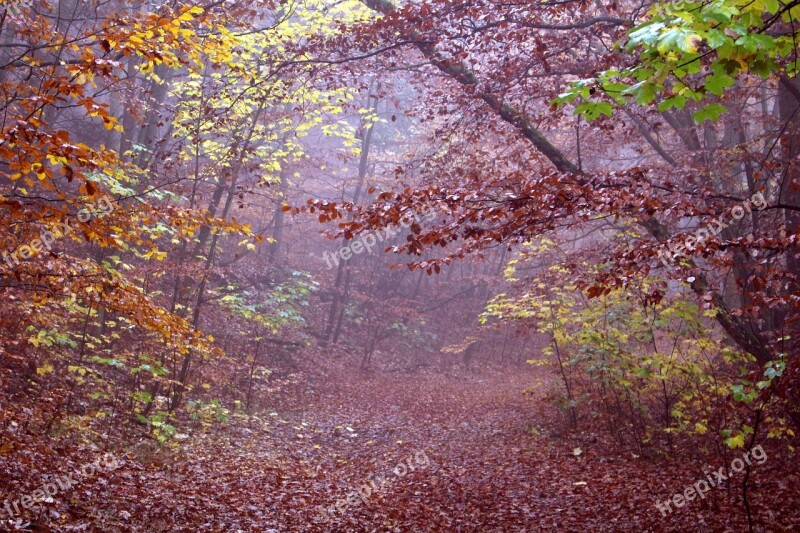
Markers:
57,159
735,442
77,369
46,369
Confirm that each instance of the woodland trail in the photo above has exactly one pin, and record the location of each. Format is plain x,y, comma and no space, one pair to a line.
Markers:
485,458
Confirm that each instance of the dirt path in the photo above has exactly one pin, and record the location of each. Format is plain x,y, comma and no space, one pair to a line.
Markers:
477,456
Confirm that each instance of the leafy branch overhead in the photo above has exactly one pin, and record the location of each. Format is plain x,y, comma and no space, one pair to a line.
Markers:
693,52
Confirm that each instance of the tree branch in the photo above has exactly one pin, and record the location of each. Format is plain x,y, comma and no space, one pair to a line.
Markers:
737,327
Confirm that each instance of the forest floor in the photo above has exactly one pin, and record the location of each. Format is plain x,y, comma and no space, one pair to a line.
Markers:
478,455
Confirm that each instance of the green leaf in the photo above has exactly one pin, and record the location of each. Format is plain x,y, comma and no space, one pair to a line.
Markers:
644,92
678,102
717,83
646,34
591,110
772,6
762,68
669,40
106,361
716,39
605,108
614,87
753,42
740,395
710,112
142,396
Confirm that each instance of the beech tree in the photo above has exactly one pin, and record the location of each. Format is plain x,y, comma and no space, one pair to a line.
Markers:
469,44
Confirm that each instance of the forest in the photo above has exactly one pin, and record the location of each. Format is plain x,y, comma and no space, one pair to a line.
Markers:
399,265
